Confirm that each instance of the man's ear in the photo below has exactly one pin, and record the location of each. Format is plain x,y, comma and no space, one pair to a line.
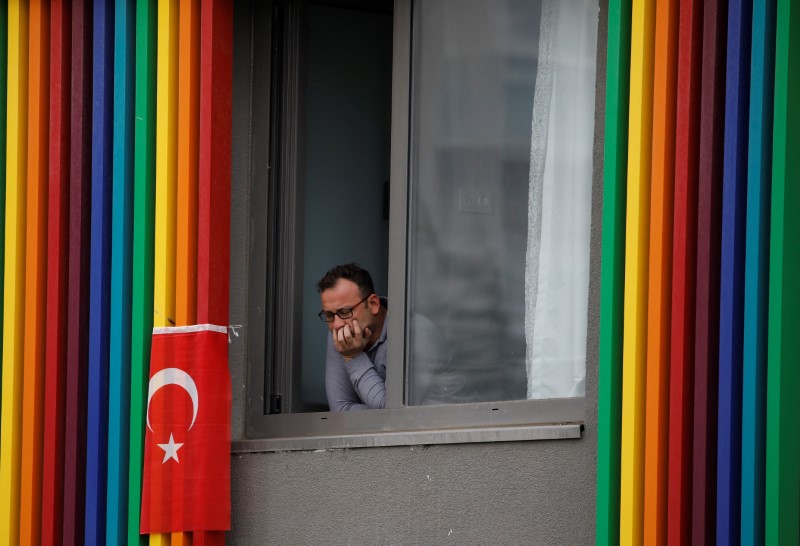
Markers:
374,303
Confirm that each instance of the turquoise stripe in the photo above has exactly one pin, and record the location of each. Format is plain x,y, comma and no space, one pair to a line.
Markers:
121,268
759,175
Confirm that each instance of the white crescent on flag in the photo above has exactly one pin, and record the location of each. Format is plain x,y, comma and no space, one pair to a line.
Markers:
173,376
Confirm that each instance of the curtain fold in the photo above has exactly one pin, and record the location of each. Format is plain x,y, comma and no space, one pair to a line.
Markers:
559,200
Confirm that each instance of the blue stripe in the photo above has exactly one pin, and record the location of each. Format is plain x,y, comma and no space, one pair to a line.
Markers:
121,267
100,273
734,182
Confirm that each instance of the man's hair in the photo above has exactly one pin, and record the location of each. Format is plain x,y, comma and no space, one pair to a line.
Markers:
351,272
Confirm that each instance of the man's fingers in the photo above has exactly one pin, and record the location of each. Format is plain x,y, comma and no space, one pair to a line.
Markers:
356,329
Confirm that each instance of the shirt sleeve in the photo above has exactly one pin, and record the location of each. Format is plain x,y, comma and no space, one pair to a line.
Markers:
353,385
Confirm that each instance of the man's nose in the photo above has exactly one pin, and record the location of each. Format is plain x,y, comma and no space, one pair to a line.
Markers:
338,322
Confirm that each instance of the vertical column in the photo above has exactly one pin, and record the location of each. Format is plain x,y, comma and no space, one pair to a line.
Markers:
709,210
57,263
213,255
143,243
166,171
660,271
783,372
612,272
759,182
684,268
3,104
188,119
14,278
100,272
119,378
636,254
729,425
35,274
186,214
78,275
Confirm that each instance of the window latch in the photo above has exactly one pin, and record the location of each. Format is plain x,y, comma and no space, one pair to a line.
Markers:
275,403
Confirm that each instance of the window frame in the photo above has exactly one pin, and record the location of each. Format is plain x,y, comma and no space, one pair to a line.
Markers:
274,188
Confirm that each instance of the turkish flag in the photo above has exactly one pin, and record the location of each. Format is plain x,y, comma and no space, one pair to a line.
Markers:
186,484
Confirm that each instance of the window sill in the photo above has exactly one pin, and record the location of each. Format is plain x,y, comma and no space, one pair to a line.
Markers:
561,431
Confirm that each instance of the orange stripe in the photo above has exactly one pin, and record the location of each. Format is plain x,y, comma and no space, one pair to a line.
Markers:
36,275
660,267
188,118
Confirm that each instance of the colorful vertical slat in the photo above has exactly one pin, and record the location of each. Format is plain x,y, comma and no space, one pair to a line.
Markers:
709,210
78,275
143,249
729,427
35,274
660,269
14,278
213,239
634,342
166,171
612,272
186,192
3,104
782,523
683,273
759,182
100,272
57,262
187,163
119,379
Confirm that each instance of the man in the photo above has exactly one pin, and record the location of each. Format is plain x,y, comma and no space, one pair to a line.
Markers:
355,367
355,363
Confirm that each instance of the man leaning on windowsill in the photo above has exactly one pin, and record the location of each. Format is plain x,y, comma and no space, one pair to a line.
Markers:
355,364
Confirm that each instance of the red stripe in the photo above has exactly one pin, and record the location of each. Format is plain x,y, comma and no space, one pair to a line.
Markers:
57,242
709,216
216,29
213,251
78,276
683,273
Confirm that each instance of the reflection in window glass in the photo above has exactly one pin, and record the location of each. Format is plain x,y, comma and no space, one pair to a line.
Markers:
501,172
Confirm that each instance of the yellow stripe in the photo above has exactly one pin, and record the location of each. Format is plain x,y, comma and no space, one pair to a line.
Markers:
166,164
14,280
634,343
166,177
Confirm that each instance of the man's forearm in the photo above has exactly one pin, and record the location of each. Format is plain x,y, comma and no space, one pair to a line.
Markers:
369,385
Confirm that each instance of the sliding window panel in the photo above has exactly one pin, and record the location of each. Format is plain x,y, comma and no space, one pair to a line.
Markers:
502,106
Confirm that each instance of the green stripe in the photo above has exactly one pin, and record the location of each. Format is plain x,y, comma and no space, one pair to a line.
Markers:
143,225
613,269
782,517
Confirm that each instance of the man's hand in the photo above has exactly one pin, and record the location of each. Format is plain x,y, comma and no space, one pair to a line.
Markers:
351,343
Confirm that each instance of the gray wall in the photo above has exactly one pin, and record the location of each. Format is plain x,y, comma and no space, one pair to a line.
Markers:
538,492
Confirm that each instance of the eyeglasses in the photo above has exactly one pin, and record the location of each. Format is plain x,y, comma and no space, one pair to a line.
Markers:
344,313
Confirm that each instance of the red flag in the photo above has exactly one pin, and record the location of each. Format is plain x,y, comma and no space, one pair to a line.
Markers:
186,484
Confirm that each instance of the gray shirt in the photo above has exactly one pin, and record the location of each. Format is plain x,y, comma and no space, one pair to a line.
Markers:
361,382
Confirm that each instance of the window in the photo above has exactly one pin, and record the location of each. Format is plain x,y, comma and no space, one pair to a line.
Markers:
446,146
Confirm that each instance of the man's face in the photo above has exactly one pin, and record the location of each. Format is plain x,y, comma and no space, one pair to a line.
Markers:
345,295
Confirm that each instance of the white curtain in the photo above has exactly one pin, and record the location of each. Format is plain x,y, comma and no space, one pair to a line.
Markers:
559,200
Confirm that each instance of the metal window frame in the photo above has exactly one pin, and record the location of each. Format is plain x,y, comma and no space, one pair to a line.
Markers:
397,424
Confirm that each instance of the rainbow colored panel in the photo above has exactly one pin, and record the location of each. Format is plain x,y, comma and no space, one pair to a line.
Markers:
78,106
732,473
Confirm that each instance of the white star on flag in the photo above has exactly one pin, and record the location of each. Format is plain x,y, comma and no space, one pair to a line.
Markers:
170,450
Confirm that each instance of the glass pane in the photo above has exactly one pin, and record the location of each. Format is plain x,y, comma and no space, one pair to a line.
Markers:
500,193
345,154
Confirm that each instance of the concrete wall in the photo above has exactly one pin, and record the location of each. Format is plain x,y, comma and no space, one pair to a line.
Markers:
538,492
